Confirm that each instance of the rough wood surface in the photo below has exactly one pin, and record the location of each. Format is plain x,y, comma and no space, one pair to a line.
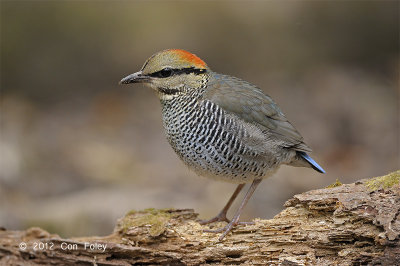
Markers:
351,224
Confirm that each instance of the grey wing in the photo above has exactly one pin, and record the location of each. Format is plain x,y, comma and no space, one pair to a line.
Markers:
248,102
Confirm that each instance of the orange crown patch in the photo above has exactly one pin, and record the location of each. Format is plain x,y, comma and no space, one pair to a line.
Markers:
189,57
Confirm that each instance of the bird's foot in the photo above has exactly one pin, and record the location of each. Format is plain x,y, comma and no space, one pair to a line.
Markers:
226,229
221,217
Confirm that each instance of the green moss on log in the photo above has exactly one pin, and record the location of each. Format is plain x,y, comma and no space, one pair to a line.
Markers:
336,184
384,182
156,219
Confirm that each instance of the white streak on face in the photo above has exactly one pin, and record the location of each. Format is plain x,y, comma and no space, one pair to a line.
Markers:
166,97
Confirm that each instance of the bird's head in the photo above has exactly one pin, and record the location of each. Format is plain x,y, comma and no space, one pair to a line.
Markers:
171,72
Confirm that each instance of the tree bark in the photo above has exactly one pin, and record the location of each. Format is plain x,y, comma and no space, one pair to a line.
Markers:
343,224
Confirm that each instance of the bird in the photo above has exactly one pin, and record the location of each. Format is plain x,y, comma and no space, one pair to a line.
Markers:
220,126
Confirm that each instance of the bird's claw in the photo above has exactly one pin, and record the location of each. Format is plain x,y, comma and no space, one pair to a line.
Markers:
221,217
226,229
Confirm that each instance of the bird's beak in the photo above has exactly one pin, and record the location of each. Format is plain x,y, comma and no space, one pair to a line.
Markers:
134,78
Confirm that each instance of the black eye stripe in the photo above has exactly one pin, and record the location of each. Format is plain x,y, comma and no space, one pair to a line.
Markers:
167,72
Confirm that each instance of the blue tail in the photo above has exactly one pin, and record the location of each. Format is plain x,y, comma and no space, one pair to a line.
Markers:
313,164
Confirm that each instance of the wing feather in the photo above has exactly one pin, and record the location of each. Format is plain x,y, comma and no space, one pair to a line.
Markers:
249,103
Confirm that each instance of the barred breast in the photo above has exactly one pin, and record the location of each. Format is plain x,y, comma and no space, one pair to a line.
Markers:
214,143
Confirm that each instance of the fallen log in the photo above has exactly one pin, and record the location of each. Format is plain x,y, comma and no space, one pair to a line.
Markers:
343,224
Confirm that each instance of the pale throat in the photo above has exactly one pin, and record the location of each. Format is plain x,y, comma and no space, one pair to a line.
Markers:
166,94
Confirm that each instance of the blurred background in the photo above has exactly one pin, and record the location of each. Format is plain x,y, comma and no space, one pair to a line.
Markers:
78,151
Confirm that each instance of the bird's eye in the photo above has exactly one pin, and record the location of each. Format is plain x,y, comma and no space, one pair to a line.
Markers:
166,72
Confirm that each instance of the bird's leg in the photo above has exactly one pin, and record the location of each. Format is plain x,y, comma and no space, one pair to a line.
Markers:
222,215
235,220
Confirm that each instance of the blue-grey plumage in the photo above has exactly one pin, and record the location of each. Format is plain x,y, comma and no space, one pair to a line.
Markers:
221,126
310,160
